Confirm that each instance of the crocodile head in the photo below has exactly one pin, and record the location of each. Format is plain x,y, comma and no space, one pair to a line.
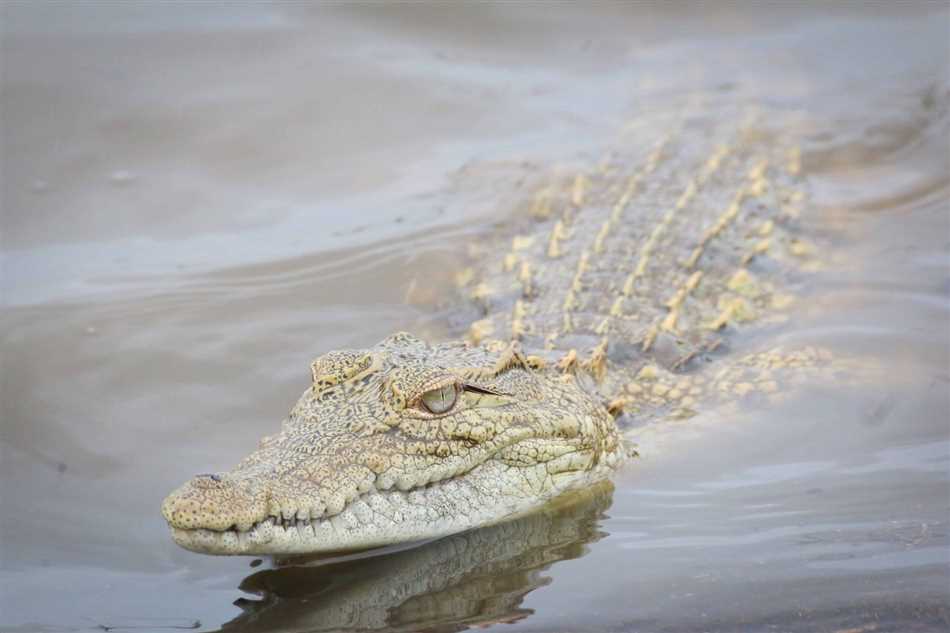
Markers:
402,442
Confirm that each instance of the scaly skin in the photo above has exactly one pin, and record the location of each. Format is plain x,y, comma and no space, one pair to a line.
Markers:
361,463
621,289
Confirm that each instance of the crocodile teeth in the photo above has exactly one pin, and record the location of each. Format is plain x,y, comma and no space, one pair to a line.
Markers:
262,532
335,504
289,515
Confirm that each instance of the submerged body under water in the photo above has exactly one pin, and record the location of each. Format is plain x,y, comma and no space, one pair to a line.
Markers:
196,205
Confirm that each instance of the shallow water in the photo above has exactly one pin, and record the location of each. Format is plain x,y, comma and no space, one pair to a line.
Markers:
197,200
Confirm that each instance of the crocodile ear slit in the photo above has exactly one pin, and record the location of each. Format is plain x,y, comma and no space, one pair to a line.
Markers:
482,390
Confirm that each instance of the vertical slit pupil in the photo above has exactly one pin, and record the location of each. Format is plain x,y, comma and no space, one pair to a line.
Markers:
440,400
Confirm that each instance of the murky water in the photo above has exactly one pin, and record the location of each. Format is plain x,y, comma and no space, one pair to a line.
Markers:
199,199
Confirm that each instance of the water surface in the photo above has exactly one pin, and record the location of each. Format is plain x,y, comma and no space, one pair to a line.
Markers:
199,199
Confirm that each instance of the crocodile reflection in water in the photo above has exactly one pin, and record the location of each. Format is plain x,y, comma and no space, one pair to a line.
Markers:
474,578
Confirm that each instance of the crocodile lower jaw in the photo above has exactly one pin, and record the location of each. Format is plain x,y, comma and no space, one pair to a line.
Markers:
381,518
338,534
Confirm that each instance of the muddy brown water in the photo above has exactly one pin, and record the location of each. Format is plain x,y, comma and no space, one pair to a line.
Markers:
198,199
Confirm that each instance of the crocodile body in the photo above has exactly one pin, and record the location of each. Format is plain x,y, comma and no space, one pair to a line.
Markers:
618,294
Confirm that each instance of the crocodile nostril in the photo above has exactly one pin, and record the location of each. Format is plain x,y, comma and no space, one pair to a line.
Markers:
210,476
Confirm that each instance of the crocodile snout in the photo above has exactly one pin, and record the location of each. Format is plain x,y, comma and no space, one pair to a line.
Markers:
215,502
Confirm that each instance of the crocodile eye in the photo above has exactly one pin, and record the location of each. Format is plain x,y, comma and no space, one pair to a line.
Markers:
440,400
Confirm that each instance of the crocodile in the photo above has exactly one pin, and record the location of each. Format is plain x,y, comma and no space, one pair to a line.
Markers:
619,295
